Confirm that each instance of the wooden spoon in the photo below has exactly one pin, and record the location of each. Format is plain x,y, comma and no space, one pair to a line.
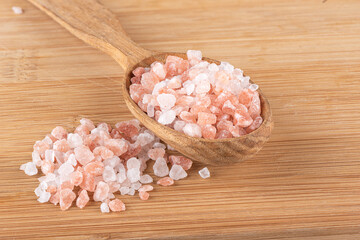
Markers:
99,27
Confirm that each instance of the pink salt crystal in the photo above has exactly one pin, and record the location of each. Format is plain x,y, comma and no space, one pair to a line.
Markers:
53,139
117,205
242,118
82,199
175,65
223,134
94,168
88,182
67,196
61,145
133,150
41,147
157,115
117,146
136,91
194,56
166,181
159,70
184,162
47,167
138,71
83,155
127,129
142,106
101,192
156,153
224,117
206,118
245,97
135,80
255,125
203,87
255,109
174,82
166,101
192,130
116,134
55,198
197,108
202,100
187,101
208,131
148,81
88,123
237,131
51,189
59,132
76,178
146,188
103,152
67,184
188,117
82,130
113,186
228,108
179,125
167,117
224,125
104,126
215,110
144,195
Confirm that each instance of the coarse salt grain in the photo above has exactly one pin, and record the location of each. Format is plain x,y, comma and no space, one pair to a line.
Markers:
17,10
204,173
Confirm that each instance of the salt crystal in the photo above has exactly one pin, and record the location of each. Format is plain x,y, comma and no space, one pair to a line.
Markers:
145,188
49,155
29,168
204,173
104,207
74,140
133,175
112,162
166,181
121,176
160,168
109,174
44,197
192,130
17,10
124,190
150,110
131,192
72,160
166,101
133,163
101,192
83,155
145,138
65,169
194,54
253,87
177,172
144,195
146,178
136,185
167,117
117,205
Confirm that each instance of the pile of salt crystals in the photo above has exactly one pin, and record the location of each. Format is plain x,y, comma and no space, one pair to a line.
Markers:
102,161
198,98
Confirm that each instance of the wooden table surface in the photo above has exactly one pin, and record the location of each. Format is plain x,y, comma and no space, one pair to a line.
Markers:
304,184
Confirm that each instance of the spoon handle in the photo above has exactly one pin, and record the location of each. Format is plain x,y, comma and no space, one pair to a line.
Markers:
96,25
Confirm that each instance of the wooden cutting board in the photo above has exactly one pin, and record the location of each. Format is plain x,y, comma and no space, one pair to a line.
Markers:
304,184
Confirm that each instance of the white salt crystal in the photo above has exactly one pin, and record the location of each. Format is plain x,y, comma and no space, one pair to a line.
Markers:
194,54
65,169
60,156
204,173
253,87
177,172
146,178
133,175
201,77
121,176
175,82
157,87
145,138
17,10
136,185
227,67
179,125
167,117
213,67
245,81
160,168
72,160
29,168
74,140
109,174
170,147
133,163
112,162
48,140
159,145
192,130
104,207
49,155
44,197
150,110
124,190
190,88
166,101
202,64
131,192
38,191
126,183
203,87
50,177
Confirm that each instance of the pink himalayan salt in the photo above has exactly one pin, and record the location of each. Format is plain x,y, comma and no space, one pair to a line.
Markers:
146,188
88,182
103,152
101,192
156,153
51,189
255,125
127,129
59,132
223,134
94,168
206,118
117,205
144,195
117,146
184,162
61,145
76,177
41,147
87,123
67,196
208,131
82,199
82,130
67,184
84,155
165,181
55,198
47,167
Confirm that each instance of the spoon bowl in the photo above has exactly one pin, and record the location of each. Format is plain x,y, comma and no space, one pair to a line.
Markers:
99,27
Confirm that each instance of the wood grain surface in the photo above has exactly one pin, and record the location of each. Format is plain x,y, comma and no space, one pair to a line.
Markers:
304,184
